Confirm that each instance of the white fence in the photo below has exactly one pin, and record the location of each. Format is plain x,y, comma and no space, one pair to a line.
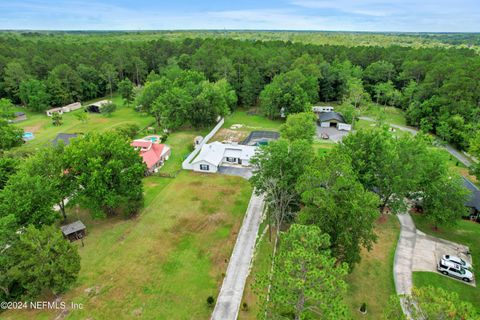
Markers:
186,163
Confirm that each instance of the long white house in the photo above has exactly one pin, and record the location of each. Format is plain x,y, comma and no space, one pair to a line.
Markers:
216,154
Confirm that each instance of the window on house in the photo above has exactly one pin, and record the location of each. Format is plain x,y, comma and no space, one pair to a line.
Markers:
204,167
231,159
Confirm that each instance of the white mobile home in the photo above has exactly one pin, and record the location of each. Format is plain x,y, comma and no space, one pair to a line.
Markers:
318,109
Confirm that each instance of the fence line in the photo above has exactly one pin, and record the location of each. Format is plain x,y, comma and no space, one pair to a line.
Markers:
186,163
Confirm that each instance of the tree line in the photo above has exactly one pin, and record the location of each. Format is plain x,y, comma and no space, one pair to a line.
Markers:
437,87
324,209
100,172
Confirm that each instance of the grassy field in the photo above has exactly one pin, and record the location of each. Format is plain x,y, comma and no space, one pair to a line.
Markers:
164,263
372,279
392,115
45,131
465,232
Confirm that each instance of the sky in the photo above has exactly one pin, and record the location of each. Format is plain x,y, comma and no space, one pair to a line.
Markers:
333,15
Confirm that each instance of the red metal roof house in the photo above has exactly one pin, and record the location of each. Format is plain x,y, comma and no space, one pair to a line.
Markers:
154,154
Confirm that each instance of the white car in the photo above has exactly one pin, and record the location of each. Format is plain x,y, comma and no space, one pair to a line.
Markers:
464,264
452,269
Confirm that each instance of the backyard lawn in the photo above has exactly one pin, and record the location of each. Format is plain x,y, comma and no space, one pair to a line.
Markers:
45,131
466,233
164,263
372,279
392,115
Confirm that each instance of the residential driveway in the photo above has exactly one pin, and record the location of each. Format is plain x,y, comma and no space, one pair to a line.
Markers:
236,171
428,251
403,261
334,134
231,293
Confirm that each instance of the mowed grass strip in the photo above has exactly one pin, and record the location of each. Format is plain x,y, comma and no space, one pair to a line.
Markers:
164,263
372,279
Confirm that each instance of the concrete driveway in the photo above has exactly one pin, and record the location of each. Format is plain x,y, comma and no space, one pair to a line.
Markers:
236,171
428,251
334,134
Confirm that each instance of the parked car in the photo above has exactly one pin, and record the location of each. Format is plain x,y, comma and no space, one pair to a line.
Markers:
454,270
464,264
325,135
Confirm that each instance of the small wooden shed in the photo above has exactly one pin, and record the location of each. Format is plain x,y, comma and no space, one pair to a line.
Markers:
74,231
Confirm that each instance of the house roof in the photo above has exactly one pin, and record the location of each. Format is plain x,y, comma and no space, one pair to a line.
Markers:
72,227
214,152
474,200
140,143
154,154
55,109
65,137
328,116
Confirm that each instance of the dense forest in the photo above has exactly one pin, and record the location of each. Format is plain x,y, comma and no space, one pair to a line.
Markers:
438,87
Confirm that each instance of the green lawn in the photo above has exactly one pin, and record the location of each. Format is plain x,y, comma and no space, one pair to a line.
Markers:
466,292
45,131
466,233
372,279
164,263
251,122
392,115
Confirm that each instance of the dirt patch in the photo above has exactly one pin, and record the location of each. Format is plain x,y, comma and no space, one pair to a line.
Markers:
199,223
32,128
382,219
228,135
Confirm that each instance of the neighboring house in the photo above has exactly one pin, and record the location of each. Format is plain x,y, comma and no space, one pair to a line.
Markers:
72,107
74,231
319,109
64,137
19,116
333,119
153,154
58,110
69,107
216,154
96,107
474,199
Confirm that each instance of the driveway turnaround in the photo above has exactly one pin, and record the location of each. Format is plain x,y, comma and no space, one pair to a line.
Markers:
236,171
429,250
231,293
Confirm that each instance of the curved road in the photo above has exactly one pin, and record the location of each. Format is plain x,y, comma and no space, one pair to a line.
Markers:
454,152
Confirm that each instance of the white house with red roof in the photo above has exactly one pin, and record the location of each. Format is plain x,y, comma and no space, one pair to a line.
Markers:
154,154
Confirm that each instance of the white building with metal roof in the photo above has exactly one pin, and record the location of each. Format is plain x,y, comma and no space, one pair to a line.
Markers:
216,154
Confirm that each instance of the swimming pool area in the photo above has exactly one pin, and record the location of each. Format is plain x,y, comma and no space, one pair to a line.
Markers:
27,136
152,138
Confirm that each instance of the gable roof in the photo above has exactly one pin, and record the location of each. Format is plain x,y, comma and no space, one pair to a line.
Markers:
328,116
474,200
140,143
154,154
214,152
72,227
65,137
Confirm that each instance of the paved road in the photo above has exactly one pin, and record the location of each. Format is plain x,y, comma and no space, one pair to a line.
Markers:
402,266
403,261
231,293
454,152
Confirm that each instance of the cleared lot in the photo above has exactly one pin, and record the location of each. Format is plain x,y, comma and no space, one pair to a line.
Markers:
428,251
